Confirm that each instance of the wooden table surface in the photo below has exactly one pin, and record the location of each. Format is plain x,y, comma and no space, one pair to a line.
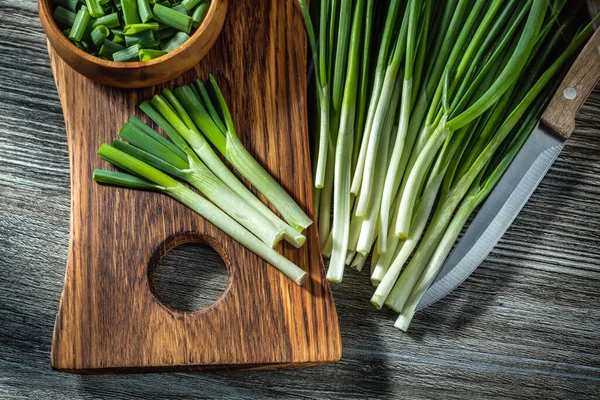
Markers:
526,324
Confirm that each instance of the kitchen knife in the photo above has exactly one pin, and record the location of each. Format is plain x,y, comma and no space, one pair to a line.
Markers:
522,177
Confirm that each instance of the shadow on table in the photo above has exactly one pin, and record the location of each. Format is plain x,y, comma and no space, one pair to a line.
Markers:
363,369
467,303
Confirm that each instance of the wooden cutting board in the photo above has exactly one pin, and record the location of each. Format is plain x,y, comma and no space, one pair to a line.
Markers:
109,320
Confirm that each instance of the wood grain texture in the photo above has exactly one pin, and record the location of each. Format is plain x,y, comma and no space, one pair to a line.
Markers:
575,88
109,319
136,74
523,326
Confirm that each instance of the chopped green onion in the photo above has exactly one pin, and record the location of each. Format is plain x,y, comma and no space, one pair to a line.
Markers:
94,8
200,13
109,48
144,10
70,5
165,33
137,28
99,35
128,54
190,4
110,21
150,54
180,9
129,22
130,12
145,39
172,18
175,42
64,17
79,25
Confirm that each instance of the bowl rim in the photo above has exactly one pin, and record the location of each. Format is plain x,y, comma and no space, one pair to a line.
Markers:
45,8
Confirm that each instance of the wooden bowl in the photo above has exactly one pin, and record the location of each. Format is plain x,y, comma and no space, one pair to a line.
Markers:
136,74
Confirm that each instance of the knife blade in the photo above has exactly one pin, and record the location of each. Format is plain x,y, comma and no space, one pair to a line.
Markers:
523,176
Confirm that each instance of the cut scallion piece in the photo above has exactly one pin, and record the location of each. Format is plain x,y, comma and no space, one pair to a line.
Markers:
150,54
110,21
190,4
175,42
64,17
137,28
172,18
78,28
144,10
145,39
200,13
94,8
109,48
99,35
130,12
71,5
180,9
128,54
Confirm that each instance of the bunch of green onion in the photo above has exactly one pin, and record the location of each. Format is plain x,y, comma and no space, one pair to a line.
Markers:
422,106
129,30
193,117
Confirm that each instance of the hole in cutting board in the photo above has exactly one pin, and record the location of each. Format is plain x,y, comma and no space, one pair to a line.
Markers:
189,277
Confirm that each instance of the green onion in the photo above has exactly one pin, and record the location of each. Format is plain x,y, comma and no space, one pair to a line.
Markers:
64,17
71,5
144,39
199,176
137,28
121,179
187,115
180,9
94,8
190,4
128,54
165,33
109,48
175,42
144,10
79,25
150,54
172,18
153,179
130,12
129,22
214,163
99,35
406,149
254,172
200,13
207,102
341,216
110,21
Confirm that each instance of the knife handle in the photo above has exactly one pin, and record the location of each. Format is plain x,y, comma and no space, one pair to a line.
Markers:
574,89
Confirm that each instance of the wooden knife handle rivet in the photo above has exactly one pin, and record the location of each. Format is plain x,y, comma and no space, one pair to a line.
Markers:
574,89
570,93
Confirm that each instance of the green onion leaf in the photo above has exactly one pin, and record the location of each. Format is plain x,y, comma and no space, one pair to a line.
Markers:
172,18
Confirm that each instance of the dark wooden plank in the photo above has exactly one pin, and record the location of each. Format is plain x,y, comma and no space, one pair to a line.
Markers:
523,326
